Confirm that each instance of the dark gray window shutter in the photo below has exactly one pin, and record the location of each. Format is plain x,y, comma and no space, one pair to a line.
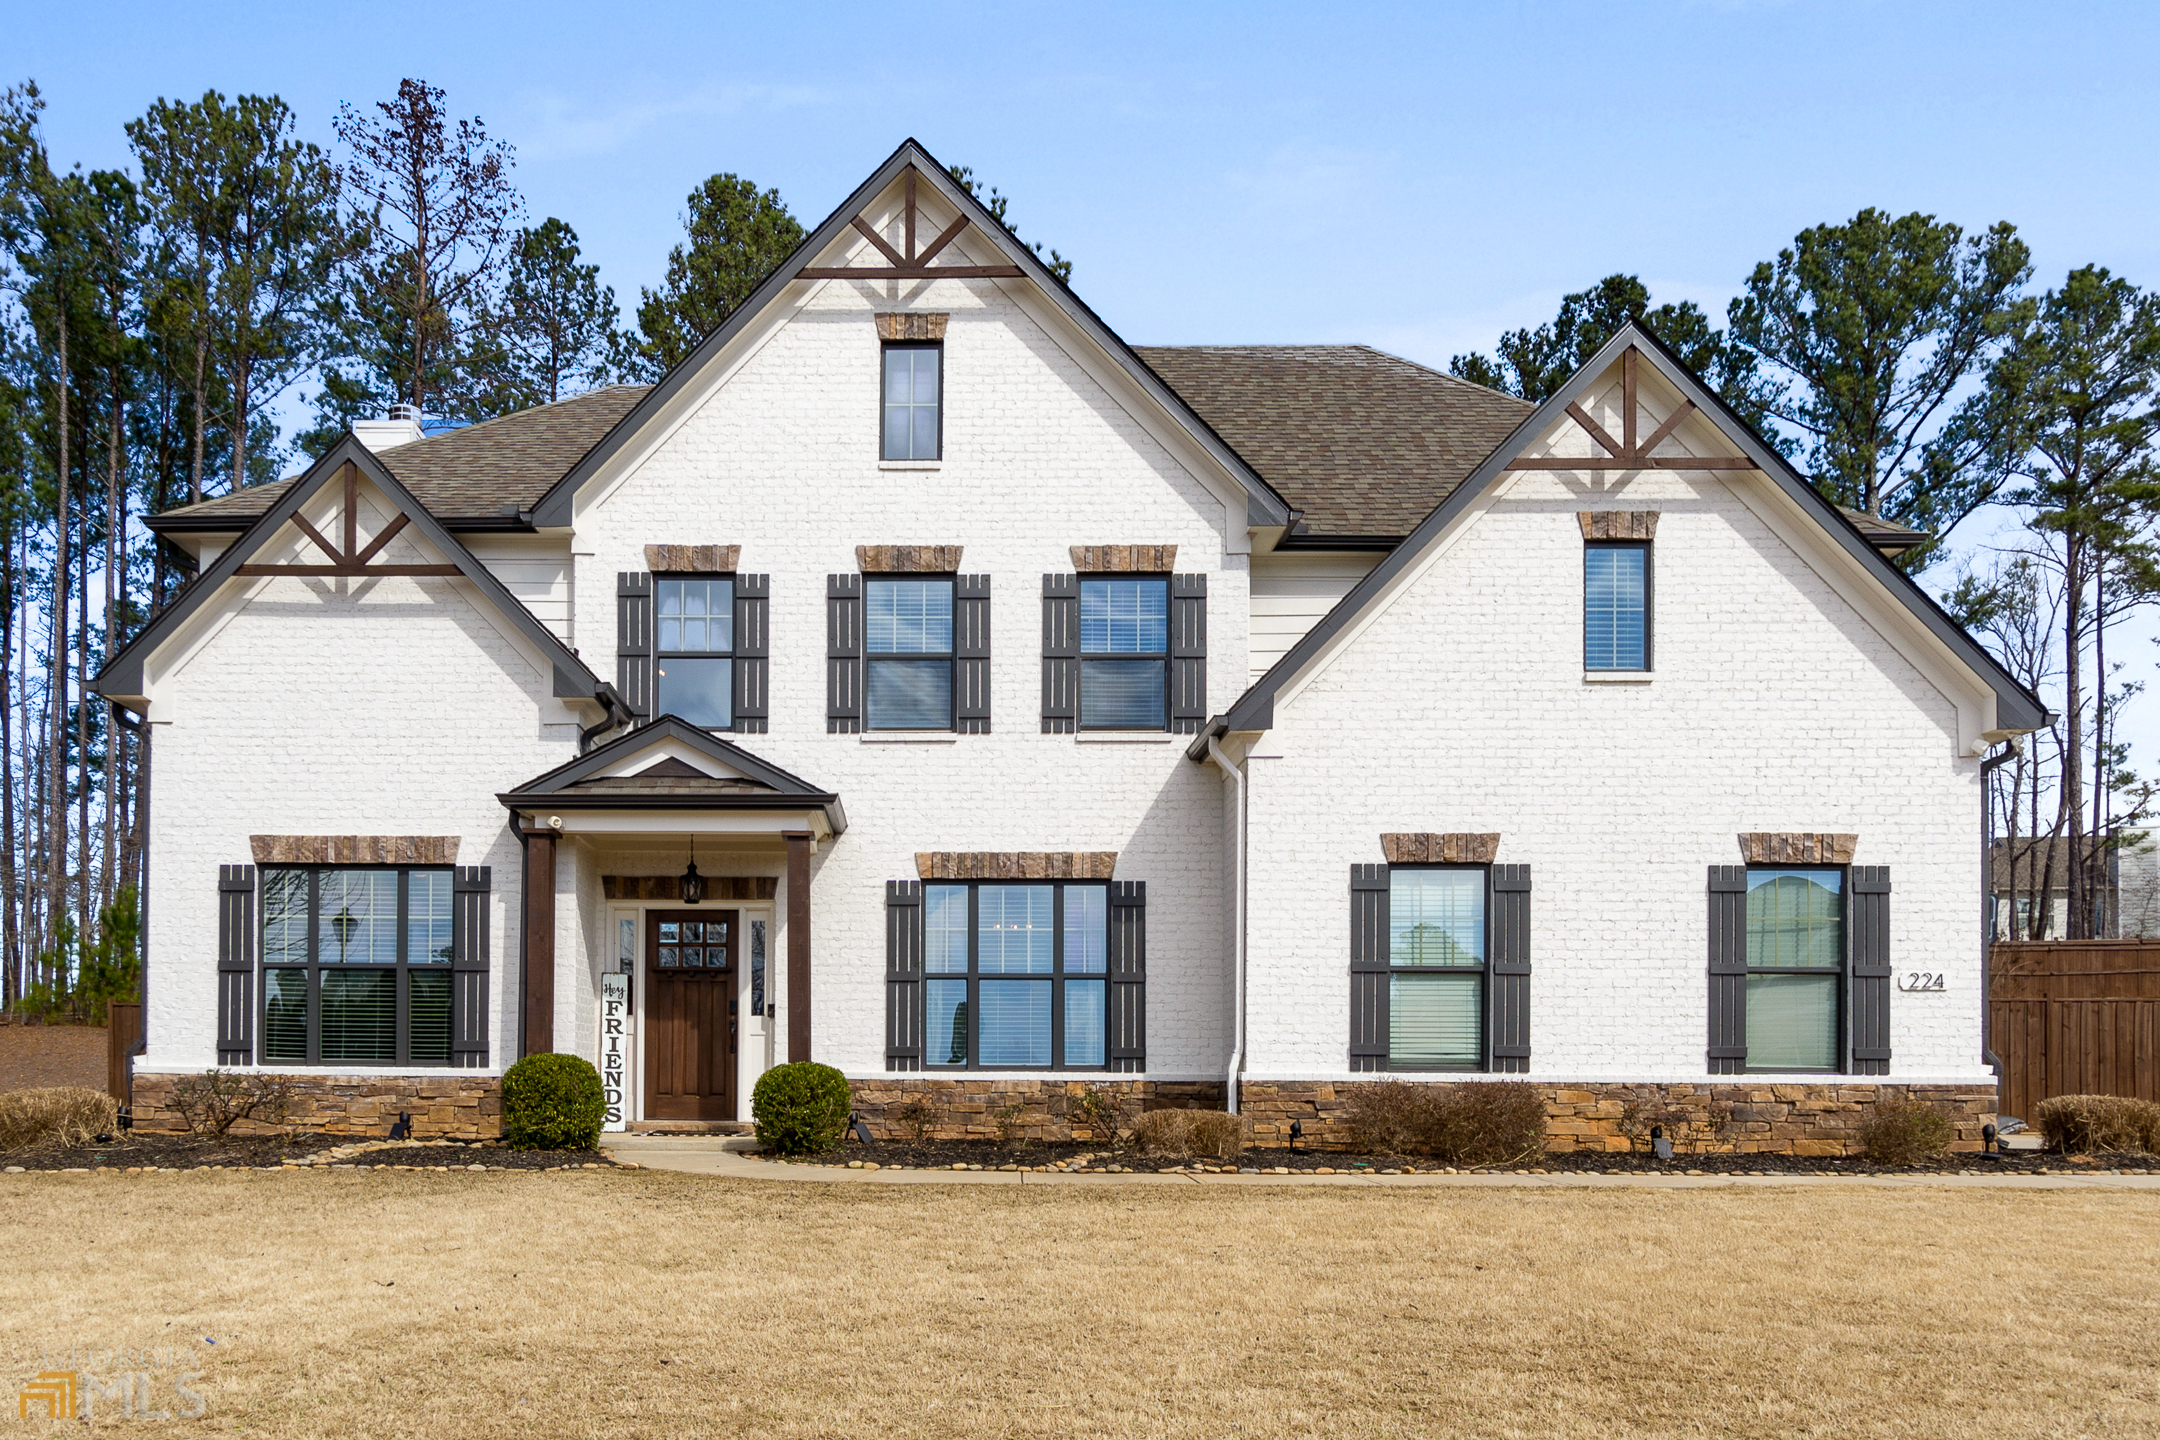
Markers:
971,655
1128,976
1061,654
1368,967
236,965
753,647
1728,969
843,654
903,974
1188,653
470,887
634,642
1507,969
1870,921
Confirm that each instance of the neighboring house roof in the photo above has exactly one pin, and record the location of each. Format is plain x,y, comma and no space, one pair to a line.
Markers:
672,784
2049,859
1364,443
1887,536
2016,708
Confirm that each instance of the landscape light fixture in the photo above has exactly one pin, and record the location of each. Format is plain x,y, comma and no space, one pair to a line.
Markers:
1659,1144
1297,1132
402,1130
862,1131
1987,1139
693,884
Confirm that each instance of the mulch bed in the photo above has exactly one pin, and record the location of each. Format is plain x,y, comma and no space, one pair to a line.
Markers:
33,1057
144,1150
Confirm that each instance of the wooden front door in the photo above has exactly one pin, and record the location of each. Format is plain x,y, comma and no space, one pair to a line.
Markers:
690,1014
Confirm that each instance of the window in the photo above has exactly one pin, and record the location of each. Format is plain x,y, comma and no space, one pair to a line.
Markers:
1616,607
912,415
693,643
1436,964
908,644
1124,654
1015,977
1796,968
757,967
356,966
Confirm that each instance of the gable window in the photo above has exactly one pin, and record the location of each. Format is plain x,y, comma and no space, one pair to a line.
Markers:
908,653
1124,654
913,429
1616,606
1015,977
356,966
694,643
1436,965
1795,968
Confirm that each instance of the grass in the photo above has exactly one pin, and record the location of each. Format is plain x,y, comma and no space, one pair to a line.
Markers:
617,1304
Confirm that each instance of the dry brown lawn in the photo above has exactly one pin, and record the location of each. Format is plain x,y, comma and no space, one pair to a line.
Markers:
614,1304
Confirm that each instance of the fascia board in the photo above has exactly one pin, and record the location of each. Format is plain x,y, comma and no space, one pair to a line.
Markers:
680,817
669,729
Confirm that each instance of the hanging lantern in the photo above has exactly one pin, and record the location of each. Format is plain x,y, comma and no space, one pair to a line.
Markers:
693,884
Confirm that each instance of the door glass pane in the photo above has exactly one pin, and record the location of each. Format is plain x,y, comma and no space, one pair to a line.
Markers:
427,917
1123,694
910,694
757,967
1792,1022
285,896
1436,917
285,1015
1084,1022
1124,617
359,1016
1086,937
693,957
670,957
359,918
1015,1023
945,929
907,617
701,691
670,932
1794,919
429,1016
1613,634
626,944
1014,934
945,1022
1435,1020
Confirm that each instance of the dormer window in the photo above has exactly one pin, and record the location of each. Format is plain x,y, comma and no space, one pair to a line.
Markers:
912,412
694,647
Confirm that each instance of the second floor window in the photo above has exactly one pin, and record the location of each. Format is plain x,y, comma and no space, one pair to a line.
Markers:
1124,654
908,653
912,411
694,643
1616,607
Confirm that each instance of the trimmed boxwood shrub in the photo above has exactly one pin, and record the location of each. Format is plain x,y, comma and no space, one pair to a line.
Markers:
552,1102
800,1107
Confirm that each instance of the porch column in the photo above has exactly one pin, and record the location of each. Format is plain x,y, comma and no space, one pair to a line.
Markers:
539,941
798,944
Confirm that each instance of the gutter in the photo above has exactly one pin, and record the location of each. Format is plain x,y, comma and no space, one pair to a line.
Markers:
1236,1064
1988,1057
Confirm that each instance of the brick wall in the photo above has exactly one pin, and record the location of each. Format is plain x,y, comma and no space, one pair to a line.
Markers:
450,1107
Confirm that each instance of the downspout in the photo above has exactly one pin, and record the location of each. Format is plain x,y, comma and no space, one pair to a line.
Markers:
1988,1057
1237,927
610,707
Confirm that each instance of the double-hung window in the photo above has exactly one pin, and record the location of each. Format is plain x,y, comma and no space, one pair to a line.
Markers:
356,966
912,412
1616,606
1124,654
1436,965
908,653
1795,968
694,643
1015,977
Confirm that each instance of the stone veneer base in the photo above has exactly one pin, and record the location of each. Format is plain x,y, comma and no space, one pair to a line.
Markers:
443,1107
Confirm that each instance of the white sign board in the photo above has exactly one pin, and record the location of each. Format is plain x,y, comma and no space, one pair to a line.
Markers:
615,1050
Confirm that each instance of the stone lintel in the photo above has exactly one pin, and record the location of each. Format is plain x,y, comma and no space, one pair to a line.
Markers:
1790,847
911,325
1141,559
1015,864
907,559
711,559
354,849
1427,848
1617,524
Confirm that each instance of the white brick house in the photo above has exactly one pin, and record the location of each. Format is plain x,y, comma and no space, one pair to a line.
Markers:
1231,723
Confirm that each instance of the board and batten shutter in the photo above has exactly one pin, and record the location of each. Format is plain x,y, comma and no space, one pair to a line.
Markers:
1870,921
1368,967
903,975
1128,976
471,888
1508,969
1061,654
843,654
236,965
753,648
971,654
1728,969
1188,653
634,642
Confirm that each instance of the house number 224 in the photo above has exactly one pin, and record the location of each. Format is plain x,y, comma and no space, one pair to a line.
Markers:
1921,980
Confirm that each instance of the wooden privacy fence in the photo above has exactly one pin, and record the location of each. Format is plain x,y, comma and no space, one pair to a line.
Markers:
123,1025
2075,1018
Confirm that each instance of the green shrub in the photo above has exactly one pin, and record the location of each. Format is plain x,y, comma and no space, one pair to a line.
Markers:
800,1108
2085,1123
1901,1131
552,1102
1482,1122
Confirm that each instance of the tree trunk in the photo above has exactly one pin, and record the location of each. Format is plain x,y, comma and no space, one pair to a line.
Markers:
11,919
240,416
56,849
2078,923
113,550
202,361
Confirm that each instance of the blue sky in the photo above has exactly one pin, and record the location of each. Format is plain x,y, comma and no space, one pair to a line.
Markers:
1418,178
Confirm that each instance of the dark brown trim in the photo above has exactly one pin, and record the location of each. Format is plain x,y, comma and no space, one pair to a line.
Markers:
539,941
798,944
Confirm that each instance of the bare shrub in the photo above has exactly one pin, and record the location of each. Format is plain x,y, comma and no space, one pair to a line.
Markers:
1100,1110
914,1119
2085,1123
1213,1133
1395,1117
217,1100
69,1114
1903,1131
1011,1122
1486,1122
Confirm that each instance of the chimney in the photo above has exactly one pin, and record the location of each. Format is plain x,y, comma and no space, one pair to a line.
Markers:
400,427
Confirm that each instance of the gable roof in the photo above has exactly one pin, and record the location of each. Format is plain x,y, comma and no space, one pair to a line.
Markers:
2016,708
1364,444
587,784
1264,507
121,677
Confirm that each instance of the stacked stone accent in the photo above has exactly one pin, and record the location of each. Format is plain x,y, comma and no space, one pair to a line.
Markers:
1130,559
715,559
1427,848
908,559
1015,864
911,325
1037,1110
449,1107
354,849
1776,847
1617,524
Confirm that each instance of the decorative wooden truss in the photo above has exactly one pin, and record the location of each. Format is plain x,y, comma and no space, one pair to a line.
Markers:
351,560
913,265
1627,453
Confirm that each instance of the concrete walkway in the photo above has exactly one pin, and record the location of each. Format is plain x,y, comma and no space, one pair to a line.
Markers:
698,1156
